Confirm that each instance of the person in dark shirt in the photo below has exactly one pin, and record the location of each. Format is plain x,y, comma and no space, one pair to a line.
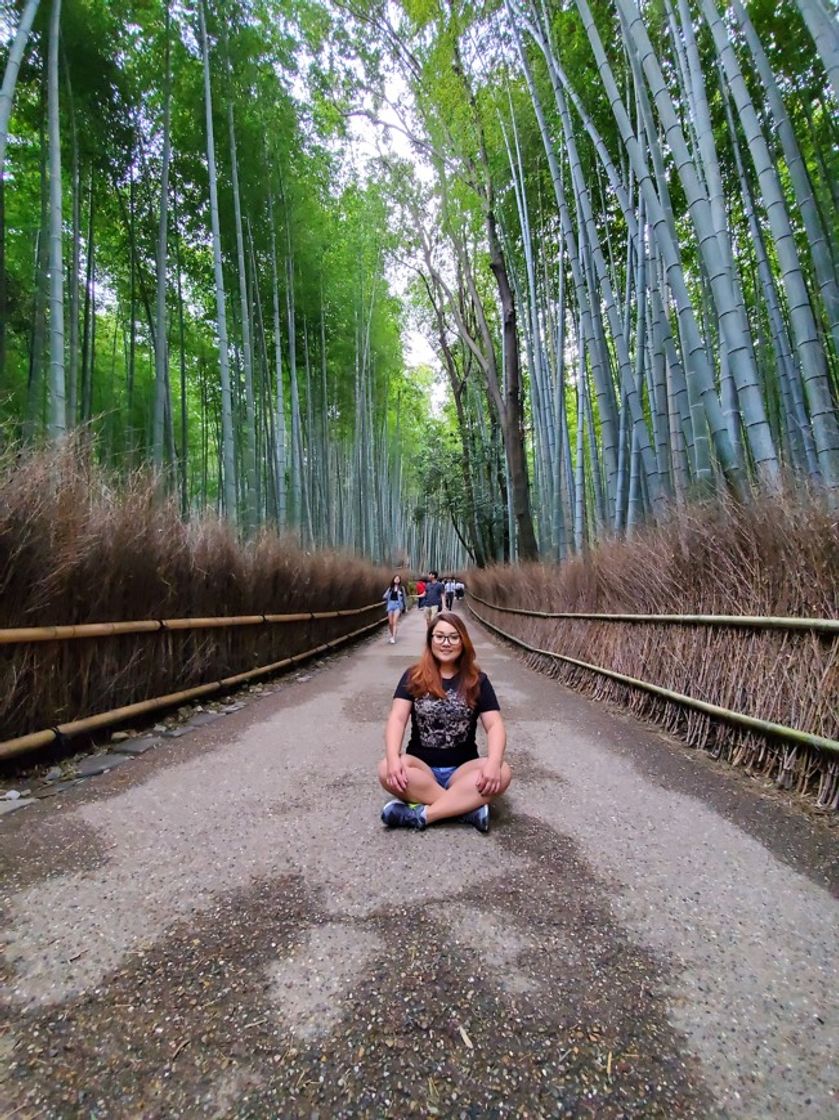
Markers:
441,775
433,602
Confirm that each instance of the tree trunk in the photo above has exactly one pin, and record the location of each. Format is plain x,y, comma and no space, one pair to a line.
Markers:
228,448
296,450
57,423
700,379
13,61
34,394
184,456
280,424
249,517
821,24
512,416
808,344
818,240
733,326
161,336
88,312
75,267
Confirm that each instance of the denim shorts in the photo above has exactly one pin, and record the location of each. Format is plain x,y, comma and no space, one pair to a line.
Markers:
443,774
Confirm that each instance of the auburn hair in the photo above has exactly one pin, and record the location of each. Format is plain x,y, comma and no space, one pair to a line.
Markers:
424,678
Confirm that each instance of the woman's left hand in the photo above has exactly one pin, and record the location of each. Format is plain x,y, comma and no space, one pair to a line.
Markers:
488,779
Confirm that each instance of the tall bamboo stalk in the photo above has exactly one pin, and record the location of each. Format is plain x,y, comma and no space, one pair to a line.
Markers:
228,449
57,424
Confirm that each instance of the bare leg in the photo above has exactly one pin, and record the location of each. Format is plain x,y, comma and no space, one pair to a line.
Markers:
423,787
462,795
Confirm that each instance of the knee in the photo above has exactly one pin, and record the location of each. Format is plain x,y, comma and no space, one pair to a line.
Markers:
382,773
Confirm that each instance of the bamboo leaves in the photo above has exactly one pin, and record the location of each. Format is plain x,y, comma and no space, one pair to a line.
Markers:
623,239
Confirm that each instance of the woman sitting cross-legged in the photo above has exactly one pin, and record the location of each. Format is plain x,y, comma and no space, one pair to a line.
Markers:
441,776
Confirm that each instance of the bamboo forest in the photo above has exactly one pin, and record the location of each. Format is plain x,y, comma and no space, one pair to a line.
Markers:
608,228
419,559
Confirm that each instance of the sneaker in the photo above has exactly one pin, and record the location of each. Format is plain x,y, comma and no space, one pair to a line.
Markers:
478,817
396,814
391,641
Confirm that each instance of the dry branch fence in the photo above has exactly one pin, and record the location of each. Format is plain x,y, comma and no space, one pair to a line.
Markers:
761,641
102,630
792,756
196,605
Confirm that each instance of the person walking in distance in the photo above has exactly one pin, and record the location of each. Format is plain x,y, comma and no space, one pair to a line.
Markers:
394,597
420,588
448,591
433,597
441,775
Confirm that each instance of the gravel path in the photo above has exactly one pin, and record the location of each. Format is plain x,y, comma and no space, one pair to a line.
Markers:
222,928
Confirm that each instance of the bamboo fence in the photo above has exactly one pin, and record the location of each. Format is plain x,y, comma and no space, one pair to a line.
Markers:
25,635
777,666
735,621
764,727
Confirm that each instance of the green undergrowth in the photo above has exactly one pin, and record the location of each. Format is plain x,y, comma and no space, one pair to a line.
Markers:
774,556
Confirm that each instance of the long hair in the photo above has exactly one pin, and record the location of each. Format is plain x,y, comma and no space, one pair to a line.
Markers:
393,582
424,677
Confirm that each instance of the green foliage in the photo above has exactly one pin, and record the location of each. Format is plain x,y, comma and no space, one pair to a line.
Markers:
294,77
274,63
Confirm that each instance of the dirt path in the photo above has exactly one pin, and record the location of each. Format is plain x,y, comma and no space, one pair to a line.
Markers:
223,928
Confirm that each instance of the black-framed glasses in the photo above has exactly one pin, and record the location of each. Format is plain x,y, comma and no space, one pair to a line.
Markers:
445,639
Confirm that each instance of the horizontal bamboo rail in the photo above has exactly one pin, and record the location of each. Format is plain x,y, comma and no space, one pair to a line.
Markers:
751,622
765,727
12,747
26,634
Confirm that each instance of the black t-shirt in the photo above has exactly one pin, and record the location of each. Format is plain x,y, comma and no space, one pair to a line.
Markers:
434,594
443,731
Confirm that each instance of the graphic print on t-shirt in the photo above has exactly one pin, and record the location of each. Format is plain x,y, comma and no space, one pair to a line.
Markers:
442,724
443,730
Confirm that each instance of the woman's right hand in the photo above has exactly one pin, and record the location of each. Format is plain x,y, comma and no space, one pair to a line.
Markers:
397,775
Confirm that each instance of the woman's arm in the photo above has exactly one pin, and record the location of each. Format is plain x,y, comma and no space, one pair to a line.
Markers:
397,721
488,780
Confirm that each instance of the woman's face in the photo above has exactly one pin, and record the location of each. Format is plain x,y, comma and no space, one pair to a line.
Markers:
397,580
446,643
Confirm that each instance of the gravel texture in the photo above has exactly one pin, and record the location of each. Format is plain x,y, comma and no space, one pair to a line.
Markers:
222,928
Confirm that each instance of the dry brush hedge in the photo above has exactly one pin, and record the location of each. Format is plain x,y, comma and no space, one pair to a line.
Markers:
74,549
776,557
